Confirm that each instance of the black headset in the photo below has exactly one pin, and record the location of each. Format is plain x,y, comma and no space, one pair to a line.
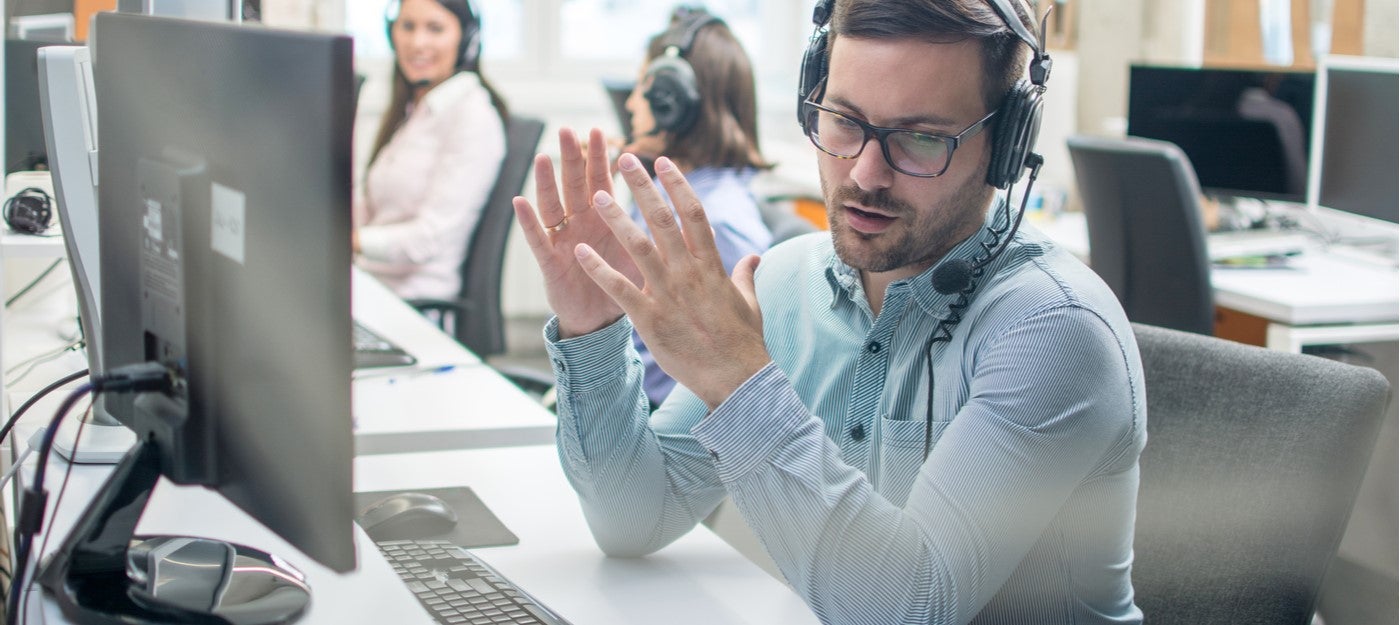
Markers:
468,49
1017,121
30,211
673,93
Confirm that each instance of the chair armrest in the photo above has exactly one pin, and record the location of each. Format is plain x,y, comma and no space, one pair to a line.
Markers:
441,312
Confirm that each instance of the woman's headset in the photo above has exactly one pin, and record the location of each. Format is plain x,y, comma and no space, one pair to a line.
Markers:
1017,120
673,93
30,211
468,49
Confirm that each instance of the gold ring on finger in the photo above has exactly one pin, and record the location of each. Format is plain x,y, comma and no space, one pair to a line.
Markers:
559,227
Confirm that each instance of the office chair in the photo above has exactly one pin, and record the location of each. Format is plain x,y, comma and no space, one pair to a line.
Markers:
474,318
1146,238
1252,465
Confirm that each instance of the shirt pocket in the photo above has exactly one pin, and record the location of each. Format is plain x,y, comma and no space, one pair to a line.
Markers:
902,453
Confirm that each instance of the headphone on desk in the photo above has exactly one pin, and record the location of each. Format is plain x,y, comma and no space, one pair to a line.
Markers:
673,94
30,211
468,49
1017,120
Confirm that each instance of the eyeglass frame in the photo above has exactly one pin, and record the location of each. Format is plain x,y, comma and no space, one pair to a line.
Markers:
881,135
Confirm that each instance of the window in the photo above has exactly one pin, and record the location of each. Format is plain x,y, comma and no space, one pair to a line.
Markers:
563,38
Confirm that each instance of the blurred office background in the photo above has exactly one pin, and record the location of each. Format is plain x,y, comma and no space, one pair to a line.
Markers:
549,58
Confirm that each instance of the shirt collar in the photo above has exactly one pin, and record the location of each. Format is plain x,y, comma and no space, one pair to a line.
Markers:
449,91
846,284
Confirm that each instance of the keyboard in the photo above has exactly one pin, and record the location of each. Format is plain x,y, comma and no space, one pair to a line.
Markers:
1250,243
372,350
458,589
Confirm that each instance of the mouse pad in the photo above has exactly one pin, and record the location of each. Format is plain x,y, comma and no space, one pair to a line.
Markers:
477,526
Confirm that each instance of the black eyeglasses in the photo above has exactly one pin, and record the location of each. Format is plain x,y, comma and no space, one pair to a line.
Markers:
909,152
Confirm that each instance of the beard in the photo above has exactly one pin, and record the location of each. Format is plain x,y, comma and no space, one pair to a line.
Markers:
917,239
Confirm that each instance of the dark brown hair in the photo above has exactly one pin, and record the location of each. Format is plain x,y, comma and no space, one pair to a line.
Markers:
1004,56
402,92
726,132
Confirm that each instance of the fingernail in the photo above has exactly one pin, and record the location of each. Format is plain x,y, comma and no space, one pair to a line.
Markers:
628,162
601,199
663,164
581,251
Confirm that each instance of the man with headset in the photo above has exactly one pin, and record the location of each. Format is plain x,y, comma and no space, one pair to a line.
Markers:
924,416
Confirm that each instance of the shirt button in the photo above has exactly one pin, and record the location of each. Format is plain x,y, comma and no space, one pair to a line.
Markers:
858,432
873,347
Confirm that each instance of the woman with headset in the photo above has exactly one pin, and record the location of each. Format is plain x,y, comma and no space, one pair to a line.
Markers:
695,104
437,154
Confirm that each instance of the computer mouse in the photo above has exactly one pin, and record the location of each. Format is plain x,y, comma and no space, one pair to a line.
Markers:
409,515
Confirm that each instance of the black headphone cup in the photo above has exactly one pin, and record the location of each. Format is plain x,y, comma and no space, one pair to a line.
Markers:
673,98
813,71
469,50
29,211
674,92
1016,125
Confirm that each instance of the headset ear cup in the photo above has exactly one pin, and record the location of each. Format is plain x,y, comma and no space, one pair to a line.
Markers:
814,68
673,95
29,211
1017,125
469,50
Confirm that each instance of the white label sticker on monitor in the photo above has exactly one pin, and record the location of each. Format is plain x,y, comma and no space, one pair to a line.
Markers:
226,223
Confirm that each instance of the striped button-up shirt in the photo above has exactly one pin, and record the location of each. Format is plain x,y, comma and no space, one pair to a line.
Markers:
1023,510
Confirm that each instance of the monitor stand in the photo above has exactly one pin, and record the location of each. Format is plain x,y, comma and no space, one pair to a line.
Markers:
103,573
104,440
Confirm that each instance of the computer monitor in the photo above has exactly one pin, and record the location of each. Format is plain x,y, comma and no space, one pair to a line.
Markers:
210,10
69,125
56,27
24,134
225,251
69,113
1246,132
1357,135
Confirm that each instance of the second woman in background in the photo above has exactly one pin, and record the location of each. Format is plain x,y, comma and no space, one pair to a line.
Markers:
695,104
436,156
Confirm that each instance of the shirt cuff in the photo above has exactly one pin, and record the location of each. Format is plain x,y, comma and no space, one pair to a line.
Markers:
588,362
374,243
749,426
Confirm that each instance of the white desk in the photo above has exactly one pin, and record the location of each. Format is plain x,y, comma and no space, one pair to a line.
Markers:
409,410
14,245
1320,298
697,580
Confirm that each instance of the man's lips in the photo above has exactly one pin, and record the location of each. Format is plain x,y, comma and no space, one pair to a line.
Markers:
867,221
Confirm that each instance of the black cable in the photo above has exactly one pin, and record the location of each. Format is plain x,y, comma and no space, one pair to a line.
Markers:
62,488
943,332
33,506
14,418
33,283
142,377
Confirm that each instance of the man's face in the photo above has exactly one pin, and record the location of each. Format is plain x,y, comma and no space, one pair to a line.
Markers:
882,220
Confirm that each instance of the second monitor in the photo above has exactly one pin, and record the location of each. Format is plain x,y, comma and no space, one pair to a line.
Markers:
225,256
